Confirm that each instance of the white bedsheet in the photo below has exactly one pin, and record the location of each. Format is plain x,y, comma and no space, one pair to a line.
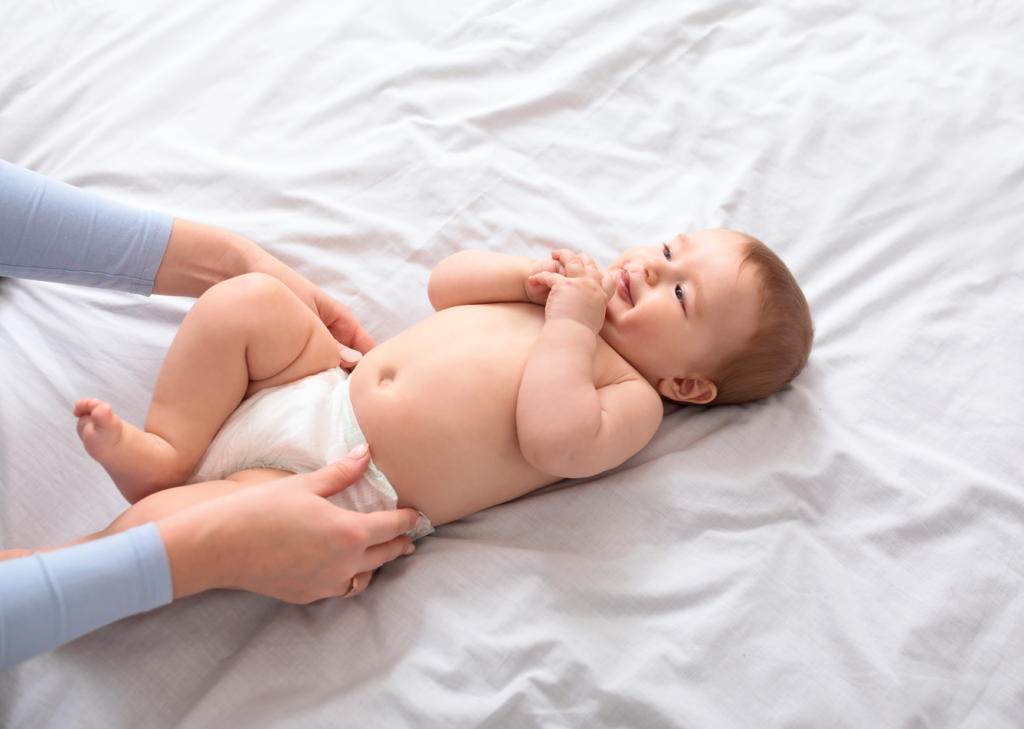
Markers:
848,553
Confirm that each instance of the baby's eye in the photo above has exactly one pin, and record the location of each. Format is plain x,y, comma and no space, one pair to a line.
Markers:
666,251
679,295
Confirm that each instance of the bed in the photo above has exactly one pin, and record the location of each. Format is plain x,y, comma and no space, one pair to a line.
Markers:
846,553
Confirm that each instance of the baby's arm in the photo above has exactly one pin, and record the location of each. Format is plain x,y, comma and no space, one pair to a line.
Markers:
483,277
567,425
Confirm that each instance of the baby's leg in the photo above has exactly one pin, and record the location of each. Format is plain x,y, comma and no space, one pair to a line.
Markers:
172,500
243,335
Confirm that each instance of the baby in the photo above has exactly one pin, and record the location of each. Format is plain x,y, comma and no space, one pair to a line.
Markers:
529,372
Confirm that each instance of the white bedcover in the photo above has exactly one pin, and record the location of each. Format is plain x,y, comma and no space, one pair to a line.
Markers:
848,553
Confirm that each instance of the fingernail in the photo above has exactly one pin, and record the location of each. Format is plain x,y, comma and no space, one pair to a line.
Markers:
351,355
358,452
409,550
419,521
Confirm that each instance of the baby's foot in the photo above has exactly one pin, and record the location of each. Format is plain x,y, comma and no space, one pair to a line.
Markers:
100,430
136,461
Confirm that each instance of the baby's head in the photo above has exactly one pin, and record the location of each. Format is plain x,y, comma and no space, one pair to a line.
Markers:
711,317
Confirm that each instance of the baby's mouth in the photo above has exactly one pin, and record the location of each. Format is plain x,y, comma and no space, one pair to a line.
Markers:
623,283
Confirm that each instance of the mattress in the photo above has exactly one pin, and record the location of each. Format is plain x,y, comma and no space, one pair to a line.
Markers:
846,553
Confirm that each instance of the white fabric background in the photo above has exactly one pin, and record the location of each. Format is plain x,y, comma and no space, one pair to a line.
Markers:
848,553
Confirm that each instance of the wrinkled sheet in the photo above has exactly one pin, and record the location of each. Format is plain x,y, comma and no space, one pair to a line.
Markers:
847,553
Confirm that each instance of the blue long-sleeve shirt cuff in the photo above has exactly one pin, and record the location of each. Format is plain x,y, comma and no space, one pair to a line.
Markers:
51,598
51,231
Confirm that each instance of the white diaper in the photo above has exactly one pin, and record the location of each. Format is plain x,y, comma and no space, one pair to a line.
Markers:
300,427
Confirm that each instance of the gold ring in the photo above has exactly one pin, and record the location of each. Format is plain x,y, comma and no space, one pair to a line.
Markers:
352,587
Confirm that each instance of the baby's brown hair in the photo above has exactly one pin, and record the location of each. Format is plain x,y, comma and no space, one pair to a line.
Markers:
779,348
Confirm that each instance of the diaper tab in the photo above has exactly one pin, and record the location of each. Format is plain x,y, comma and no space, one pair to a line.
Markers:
422,530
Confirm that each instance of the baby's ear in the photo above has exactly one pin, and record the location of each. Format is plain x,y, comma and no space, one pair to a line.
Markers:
696,390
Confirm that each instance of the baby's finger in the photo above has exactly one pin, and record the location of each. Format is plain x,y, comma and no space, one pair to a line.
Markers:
560,267
573,266
607,285
590,269
563,255
546,278
548,264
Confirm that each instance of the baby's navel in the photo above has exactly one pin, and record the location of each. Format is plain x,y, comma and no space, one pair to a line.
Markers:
387,377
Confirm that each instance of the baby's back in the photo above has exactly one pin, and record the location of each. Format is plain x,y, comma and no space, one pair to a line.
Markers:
437,404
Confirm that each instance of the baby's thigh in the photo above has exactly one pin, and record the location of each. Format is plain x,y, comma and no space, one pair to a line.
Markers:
285,339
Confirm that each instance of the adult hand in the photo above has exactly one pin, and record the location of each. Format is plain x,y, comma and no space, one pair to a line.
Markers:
199,256
284,539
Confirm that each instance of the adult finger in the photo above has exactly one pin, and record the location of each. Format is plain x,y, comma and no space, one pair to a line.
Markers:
347,332
362,582
380,554
383,526
339,475
349,357
362,341
340,322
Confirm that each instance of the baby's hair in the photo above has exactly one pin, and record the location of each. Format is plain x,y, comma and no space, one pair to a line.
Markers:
778,350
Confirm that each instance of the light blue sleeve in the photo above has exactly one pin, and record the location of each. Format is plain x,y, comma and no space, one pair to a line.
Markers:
51,231
49,599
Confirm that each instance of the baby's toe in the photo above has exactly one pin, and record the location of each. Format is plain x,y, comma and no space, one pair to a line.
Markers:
103,415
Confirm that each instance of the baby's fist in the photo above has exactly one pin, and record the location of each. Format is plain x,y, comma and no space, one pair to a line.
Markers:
581,294
537,288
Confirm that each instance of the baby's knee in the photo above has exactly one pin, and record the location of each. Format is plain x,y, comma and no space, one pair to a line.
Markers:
248,297
252,289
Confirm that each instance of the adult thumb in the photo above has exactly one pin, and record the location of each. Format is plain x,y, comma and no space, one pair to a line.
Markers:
335,477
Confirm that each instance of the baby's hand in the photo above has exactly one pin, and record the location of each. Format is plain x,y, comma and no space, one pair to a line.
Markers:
536,291
582,293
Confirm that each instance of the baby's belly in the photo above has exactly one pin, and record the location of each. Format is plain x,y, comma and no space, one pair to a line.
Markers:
437,404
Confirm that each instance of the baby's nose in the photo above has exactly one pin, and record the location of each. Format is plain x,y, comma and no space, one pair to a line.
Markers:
651,270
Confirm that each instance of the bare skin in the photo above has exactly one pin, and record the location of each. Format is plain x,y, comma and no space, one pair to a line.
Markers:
243,335
282,538
301,550
474,406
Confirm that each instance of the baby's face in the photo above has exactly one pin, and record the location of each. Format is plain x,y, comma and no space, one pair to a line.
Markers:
681,309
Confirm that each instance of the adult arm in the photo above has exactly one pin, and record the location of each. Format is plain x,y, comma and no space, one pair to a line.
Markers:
282,539
48,599
52,231
198,256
